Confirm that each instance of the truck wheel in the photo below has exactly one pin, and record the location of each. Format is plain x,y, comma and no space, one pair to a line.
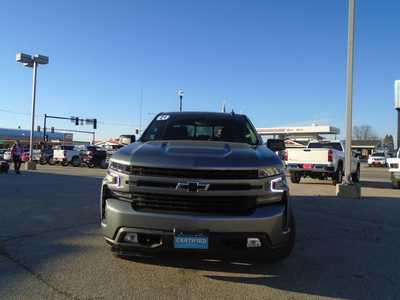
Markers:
104,164
76,161
64,163
295,177
355,177
282,252
395,182
338,177
51,161
42,161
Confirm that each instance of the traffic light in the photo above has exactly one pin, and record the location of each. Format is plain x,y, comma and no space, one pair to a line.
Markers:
94,123
52,129
38,128
76,121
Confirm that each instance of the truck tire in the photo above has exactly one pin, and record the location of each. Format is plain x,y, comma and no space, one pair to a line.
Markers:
51,161
76,161
295,177
104,164
355,177
42,161
338,176
64,163
395,183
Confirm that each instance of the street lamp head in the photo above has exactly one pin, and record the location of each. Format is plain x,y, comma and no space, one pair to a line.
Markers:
41,59
23,58
28,60
180,92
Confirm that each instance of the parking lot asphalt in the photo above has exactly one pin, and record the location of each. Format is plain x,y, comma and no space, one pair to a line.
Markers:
51,247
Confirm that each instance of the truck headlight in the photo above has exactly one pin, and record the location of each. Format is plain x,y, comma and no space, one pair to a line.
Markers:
121,168
112,179
279,185
270,171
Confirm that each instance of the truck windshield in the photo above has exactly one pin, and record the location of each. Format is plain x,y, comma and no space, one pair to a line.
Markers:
378,154
336,146
224,128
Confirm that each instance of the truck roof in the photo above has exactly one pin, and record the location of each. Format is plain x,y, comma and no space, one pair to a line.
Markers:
202,113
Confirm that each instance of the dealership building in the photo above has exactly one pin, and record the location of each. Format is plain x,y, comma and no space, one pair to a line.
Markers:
9,136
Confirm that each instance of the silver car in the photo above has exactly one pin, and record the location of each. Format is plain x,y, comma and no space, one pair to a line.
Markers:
201,182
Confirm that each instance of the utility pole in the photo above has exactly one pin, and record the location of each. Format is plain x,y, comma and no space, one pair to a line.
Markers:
32,61
141,111
349,96
397,107
33,111
348,189
180,94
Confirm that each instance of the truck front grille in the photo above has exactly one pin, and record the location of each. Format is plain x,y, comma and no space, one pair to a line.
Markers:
186,173
195,204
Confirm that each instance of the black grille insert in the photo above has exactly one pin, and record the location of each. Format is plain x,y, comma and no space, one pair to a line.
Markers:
196,204
201,174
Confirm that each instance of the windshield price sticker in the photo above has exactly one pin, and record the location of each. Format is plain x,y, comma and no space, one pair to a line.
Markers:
162,117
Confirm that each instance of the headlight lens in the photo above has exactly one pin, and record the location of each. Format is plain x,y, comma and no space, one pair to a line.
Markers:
122,168
270,171
279,185
112,179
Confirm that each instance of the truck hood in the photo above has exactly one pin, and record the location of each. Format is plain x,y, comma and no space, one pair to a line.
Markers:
196,154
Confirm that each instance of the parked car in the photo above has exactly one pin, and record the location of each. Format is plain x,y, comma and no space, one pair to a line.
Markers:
66,155
394,169
7,155
2,151
198,181
25,155
320,160
377,159
95,157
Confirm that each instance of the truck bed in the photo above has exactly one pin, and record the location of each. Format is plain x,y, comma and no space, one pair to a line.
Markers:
311,156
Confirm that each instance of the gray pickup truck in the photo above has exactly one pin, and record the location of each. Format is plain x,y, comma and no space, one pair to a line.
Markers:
198,182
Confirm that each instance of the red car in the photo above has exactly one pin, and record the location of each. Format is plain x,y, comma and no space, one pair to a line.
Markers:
25,156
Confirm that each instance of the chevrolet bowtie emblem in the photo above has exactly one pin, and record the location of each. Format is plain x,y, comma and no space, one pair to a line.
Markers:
192,186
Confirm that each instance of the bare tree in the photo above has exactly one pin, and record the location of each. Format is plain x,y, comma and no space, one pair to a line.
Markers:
364,132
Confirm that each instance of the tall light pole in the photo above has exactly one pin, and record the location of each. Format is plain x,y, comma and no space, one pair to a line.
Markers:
348,189
180,94
349,96
397,107
32,61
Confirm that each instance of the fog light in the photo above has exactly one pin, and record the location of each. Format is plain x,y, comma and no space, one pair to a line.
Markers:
253,243
131,237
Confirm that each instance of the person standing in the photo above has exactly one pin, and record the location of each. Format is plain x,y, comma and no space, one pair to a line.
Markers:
16,152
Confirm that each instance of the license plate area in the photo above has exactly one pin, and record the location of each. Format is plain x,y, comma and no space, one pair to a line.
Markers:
308,166
183,240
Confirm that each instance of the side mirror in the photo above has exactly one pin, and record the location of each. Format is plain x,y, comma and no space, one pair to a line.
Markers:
276,145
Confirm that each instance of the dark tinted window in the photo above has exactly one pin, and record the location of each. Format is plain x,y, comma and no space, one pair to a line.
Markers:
378,154
336,146
226,128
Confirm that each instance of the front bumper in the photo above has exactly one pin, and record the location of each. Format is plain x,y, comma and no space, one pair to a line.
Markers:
314,168
377,163
268,223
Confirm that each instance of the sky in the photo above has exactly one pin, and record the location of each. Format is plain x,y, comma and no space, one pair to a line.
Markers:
280,62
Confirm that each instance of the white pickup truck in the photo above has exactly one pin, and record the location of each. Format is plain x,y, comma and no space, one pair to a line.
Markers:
320,160
67,155
394,169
